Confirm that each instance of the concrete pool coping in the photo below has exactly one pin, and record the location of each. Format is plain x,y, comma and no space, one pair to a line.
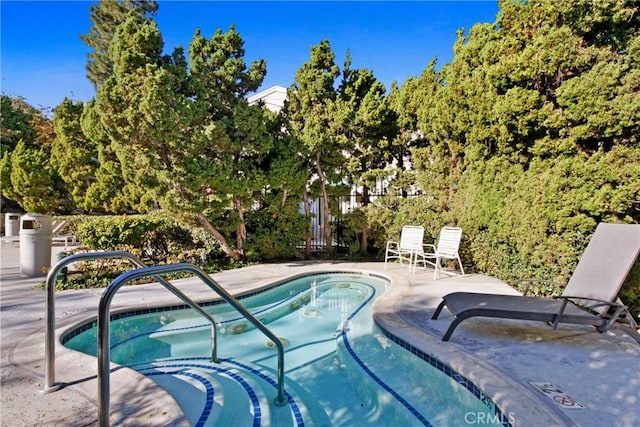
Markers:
501,357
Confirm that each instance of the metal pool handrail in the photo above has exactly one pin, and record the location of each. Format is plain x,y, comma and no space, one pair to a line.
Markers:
49,348
104,347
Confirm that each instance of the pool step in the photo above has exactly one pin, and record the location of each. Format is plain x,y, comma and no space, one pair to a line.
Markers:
240,340
223,394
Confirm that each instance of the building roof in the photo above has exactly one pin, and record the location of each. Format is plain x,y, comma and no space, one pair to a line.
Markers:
272,97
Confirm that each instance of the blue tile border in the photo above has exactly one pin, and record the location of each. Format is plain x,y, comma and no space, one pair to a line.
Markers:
448,371
385,386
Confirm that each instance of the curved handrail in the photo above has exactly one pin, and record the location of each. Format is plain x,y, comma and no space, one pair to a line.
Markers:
104,347
49,348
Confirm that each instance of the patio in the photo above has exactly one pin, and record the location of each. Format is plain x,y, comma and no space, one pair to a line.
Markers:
597,372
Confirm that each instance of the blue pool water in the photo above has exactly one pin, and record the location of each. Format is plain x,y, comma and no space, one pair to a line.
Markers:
340,368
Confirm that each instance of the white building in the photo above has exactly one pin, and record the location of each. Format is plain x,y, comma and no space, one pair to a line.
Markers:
273,98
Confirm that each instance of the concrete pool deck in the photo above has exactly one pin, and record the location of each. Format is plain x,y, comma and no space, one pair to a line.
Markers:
597,372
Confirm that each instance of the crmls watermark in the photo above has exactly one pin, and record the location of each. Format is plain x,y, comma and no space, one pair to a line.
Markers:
485,418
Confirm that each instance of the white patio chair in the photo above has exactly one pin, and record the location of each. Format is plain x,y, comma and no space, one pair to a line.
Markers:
448,244
411,239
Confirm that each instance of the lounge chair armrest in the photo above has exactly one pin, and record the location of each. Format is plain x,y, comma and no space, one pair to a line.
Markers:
598,302
608,318
529,282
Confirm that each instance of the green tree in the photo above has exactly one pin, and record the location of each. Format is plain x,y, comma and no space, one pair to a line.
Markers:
366,128
15,123
311,119
26,174
417,105
15,126
231,142
106,15
184,132
73,155
109,191
33,182
281,227
531,137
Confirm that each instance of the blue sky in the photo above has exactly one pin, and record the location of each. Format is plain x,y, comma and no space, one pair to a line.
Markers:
43,59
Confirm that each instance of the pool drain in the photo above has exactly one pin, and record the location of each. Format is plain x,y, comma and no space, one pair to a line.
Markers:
237,328
284,341
311,312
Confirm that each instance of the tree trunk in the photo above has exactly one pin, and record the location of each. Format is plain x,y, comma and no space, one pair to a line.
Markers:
364,247
283,201
241,229
307,212
326,226
365,230
236,255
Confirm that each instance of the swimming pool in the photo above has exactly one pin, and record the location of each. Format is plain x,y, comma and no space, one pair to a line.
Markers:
341,369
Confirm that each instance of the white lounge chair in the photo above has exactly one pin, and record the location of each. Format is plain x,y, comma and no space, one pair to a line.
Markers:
411,239
447,248
590,297
56,230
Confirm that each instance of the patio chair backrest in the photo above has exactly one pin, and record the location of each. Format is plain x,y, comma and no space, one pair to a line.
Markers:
605,263
411,237
58,225
449,241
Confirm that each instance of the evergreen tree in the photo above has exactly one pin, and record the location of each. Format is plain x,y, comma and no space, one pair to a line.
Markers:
73,155
109,191
106,16
26,174
15,123
366,128
186,135
32,181
531,139
310,113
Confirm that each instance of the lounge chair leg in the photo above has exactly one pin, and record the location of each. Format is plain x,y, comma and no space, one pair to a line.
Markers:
438,310
454,323
451,328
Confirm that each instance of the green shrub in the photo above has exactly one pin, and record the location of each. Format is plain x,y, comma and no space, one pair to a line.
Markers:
155,238
92,274
630,293
274,235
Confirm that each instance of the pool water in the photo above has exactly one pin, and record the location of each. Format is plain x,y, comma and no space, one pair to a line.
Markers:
340,368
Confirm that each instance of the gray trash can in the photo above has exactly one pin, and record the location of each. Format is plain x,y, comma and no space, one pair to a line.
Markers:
11,224
35,245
